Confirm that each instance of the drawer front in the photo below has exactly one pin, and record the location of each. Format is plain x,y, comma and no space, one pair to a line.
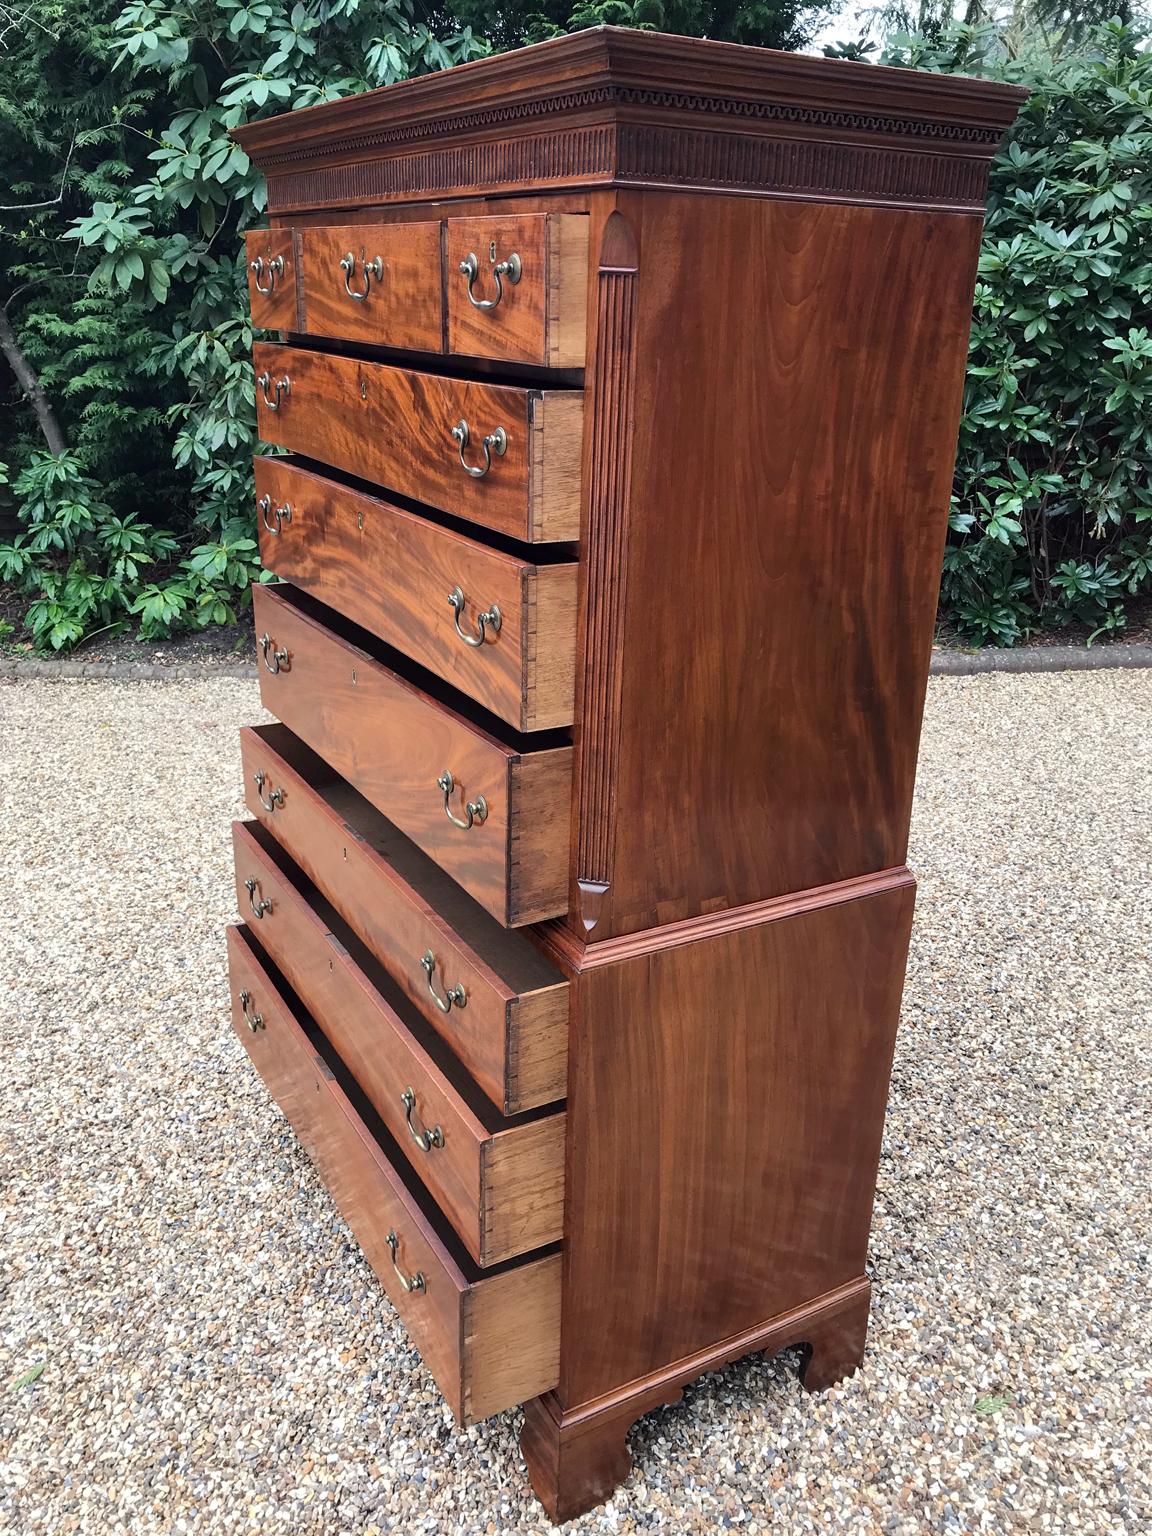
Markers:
500,629
517,287
490,995
496,819
271,279
395,426
451,1148
491,1341
373,282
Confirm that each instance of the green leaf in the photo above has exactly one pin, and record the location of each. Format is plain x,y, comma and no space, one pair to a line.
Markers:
28,1377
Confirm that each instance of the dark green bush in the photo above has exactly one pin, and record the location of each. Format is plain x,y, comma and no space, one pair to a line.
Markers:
122,286
135,504
1052,506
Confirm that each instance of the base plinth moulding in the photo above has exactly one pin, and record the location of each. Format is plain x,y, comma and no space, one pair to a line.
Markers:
578,1456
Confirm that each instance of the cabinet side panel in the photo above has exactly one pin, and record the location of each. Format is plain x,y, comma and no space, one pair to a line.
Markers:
725,1109
798,379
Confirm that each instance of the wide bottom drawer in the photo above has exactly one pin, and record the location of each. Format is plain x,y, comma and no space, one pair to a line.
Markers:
491,1338
499,1182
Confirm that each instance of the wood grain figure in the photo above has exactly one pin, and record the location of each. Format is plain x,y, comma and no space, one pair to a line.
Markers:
508,640
493,816
395,426
489,1339
664,636
511,1034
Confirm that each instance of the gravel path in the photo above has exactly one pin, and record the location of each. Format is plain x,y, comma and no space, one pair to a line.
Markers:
211,1355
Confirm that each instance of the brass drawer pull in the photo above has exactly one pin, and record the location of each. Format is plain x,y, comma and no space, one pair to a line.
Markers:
254,1020
372,269
496,442
282,514
414,1282
490,618
425,1139
283,388
512,269
476,809
275,266
452,995
259,905
274,799
279,659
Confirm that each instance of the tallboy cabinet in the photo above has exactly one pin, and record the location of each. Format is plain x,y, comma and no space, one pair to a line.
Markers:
617,384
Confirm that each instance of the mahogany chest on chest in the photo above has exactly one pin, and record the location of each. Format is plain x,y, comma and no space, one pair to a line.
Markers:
617,391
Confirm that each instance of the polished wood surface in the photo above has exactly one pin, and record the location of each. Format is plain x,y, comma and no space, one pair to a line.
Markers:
738,1181
758,691
488,1339
539,319
394,572
576,1457
404,307
731,375
614,107
500,1184
393,742
512,1033
394,426
274,310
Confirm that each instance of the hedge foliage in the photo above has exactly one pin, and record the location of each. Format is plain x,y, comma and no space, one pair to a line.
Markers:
1052,507
125,285
122,286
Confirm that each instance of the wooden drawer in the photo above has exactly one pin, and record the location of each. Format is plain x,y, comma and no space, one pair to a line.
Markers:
421,587
376,283
491,1340
419,761
499,1182
271,279
512,1031
395,426
517,287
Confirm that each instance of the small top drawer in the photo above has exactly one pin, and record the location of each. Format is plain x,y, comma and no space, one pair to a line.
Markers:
376,283
271,279
517,287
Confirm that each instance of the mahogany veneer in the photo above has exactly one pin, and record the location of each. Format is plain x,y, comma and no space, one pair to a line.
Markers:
619,638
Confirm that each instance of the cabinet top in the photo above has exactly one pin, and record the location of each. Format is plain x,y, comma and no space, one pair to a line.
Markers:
615,106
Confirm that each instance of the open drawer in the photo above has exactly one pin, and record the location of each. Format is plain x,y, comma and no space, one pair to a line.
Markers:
490,1338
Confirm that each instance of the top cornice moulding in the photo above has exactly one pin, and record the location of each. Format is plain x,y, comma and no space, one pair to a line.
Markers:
617,76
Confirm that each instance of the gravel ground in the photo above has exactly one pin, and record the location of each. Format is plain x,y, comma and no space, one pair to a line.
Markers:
190,1343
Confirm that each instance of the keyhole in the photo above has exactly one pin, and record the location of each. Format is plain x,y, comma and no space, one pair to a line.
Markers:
360,520
491,250
353,677
363,389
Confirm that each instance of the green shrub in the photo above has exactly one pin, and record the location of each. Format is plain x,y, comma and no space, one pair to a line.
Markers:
1052,505
114,119
117,118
